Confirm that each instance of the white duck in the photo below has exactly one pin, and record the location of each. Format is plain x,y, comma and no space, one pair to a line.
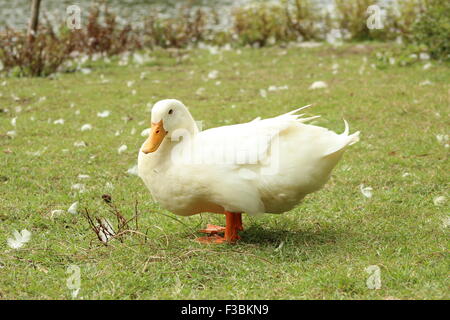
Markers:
263,166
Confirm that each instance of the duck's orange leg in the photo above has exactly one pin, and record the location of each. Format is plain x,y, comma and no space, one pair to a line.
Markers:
240,227
233,225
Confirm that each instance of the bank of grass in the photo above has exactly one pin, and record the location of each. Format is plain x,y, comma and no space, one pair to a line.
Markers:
318,250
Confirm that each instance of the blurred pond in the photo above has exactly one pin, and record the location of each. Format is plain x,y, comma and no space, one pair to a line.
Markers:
16,13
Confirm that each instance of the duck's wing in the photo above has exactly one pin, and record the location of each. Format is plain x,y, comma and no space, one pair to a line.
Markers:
246,161
246,143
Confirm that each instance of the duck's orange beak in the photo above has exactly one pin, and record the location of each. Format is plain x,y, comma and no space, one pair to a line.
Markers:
157,134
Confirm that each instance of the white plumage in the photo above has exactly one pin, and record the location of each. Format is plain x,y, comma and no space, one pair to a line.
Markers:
263,166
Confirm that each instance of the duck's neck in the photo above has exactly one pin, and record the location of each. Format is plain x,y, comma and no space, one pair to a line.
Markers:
176,138
190,124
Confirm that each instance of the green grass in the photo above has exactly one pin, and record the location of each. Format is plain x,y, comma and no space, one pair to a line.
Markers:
317,251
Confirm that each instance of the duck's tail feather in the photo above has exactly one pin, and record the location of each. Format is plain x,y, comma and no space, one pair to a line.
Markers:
347,129
344,140
308,119
353,138
293,112
297,110
297,117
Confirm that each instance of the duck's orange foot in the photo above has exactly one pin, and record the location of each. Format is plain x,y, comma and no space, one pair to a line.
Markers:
212,239
234,224
216,239
212,229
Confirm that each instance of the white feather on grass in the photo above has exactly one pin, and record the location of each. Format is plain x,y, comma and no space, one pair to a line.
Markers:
263,93
366,191
56,213
19,239
86,127
104,114
133,170
79,187
11,133
79,144
73,209
440,200
213,74
145,132
318,85
105,230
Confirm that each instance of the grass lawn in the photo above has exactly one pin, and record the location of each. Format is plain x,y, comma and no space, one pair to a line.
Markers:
320,250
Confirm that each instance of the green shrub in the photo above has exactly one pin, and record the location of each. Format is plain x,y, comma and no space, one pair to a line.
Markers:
304,20
433,28
179,31
261,24
352,16
402,17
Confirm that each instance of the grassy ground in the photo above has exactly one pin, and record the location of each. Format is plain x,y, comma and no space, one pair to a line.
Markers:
319,250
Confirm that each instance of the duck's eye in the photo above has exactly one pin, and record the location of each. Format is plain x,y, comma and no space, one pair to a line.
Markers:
170,111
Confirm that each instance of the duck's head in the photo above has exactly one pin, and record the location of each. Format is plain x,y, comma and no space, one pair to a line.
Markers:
167,116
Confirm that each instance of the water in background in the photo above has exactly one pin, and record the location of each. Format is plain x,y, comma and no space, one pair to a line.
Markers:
16,13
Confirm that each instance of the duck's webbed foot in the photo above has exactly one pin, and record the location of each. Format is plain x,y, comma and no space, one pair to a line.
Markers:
212,229
233,225
213,238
